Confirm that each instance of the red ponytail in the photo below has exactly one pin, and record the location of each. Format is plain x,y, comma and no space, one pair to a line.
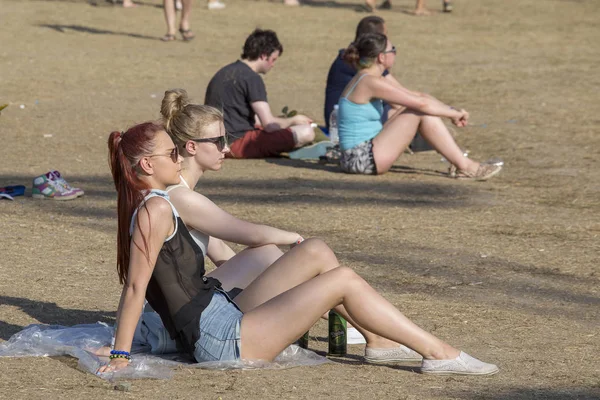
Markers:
124,152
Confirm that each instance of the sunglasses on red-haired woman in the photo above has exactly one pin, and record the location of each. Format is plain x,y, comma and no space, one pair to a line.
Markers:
174,154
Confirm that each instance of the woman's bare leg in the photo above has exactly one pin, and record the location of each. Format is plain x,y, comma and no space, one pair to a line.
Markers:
185,14
421,8
400,130
269,328
170,16
302,263
243,268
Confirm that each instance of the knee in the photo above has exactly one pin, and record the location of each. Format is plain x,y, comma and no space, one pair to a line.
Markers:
303,134
319,250
345,274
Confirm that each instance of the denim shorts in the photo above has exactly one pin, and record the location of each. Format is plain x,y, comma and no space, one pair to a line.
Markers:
219,331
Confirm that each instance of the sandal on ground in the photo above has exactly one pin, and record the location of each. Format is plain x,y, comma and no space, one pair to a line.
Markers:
187,34
168,38
483,173
386,5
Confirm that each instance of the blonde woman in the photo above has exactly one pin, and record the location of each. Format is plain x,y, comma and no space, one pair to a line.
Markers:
157,260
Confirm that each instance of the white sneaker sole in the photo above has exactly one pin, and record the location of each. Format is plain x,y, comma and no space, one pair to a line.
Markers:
461,372
42,197
391,360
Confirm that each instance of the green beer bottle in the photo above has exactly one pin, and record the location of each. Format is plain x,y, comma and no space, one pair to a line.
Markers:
303,341
337,335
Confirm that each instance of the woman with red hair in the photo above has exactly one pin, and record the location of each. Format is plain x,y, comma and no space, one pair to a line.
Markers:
158,260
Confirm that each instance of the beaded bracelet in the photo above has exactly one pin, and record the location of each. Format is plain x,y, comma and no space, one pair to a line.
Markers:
125,353
113,356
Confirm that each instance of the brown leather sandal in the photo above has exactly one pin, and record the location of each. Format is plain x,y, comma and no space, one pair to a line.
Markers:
168,38
187,34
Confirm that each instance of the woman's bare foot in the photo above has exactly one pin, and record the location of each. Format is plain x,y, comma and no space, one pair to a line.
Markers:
370,5
129,4
293,3
422,12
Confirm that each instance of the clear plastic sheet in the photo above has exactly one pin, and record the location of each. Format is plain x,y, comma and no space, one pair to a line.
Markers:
81,342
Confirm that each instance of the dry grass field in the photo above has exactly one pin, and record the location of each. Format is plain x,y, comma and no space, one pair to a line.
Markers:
506,270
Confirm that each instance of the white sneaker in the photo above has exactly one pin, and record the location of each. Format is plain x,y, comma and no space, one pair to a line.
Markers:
464,364
394,354
353,336
216,5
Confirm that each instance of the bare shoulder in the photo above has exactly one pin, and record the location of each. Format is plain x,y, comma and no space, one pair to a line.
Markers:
158,206
376,81
156,212
184,197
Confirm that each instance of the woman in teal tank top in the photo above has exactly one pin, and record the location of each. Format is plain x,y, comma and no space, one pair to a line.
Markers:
368,147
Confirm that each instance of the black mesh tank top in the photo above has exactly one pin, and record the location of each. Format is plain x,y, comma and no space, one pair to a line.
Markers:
178,290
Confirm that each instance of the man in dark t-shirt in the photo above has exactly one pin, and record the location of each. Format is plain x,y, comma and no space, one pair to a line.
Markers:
238,90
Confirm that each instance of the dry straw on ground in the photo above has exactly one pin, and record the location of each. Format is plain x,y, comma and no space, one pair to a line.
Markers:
506,270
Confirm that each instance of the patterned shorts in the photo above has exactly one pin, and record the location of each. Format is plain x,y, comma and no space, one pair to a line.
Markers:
359,159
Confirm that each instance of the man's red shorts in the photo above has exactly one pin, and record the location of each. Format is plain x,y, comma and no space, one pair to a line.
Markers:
262,144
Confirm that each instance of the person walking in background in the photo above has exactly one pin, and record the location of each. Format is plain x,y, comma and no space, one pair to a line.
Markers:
420,7
239,91
171,19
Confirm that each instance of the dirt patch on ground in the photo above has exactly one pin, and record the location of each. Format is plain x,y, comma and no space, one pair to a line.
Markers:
506,270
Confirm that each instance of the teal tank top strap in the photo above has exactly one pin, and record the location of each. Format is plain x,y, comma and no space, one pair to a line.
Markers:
353,86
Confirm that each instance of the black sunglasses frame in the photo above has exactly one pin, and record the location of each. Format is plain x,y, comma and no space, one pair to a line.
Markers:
219,141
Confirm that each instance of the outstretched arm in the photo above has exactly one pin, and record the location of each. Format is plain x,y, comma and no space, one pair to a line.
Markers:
156,225
202,214
272,123
391,91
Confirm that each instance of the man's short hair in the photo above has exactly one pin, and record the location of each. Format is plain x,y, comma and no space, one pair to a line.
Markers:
370,24
261,42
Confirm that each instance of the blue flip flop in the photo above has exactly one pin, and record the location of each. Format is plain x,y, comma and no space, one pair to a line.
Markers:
8,192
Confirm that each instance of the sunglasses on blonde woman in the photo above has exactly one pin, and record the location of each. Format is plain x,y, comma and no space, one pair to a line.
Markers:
219,141
174,154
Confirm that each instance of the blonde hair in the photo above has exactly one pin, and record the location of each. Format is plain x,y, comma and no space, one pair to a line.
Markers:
184,120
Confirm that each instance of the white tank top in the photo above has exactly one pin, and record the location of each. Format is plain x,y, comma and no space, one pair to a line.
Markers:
200,238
